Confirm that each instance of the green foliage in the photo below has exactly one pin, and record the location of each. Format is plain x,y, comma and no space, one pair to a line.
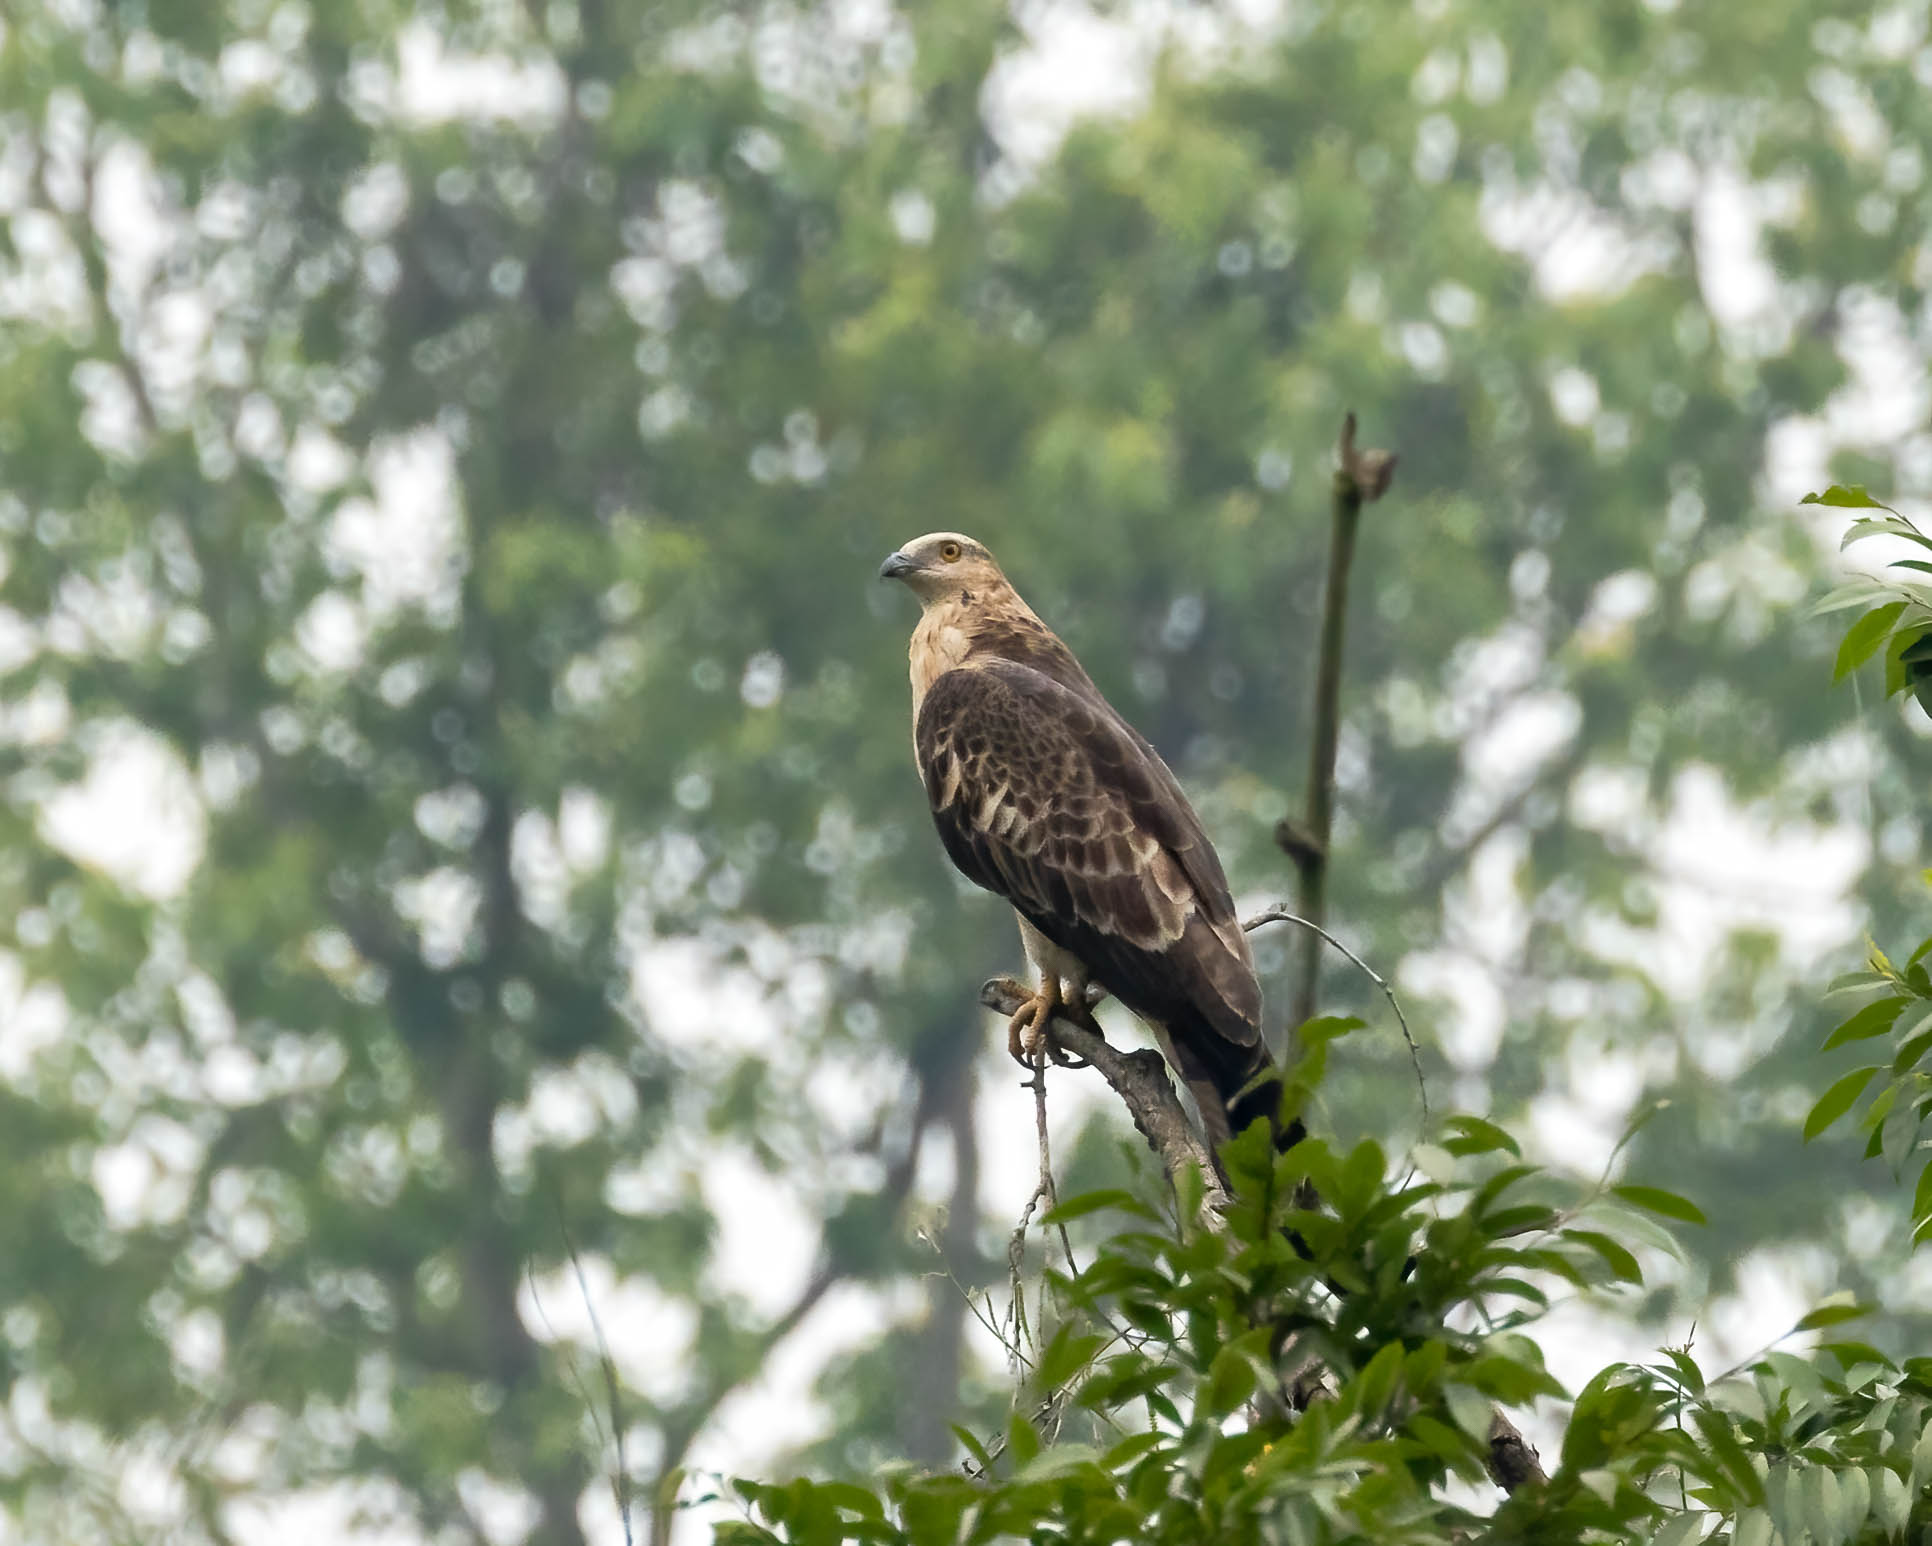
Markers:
1893,1002
1184,1354
1900,621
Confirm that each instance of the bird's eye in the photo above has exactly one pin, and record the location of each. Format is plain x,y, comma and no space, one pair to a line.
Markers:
949,551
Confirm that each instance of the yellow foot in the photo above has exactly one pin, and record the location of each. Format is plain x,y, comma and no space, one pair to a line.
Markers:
1026,1031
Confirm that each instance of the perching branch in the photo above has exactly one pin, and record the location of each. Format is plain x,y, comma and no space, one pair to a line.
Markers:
1361,477
1140,1080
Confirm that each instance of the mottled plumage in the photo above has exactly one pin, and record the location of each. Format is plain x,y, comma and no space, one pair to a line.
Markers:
1042,793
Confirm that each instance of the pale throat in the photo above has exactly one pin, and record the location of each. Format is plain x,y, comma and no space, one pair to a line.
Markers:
949,629
940,643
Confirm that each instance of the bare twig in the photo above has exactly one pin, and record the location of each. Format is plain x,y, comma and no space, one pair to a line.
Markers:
1279,914
1361,477
1048,1192
1043,1192
620,1481
983,1316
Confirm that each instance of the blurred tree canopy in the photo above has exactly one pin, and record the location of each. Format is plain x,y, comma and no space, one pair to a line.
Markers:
457,806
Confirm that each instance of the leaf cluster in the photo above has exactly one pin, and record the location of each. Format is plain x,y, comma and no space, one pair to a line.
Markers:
1892,1004
1334,1373
1897,619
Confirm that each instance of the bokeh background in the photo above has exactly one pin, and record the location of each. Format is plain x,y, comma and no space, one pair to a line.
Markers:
456,811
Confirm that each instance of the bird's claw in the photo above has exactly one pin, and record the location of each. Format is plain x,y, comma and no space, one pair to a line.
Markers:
1026,1031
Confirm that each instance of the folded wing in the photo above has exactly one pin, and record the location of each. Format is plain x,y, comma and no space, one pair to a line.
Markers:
1043,794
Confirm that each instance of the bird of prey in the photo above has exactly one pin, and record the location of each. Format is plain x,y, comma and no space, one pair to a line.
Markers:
1045,795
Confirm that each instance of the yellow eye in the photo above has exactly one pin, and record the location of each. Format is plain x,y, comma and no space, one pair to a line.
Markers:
949,551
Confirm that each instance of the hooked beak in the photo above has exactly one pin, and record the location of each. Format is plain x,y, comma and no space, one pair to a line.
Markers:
896,566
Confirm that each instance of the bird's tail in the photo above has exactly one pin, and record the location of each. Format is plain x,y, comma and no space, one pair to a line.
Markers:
1258,1099
1234,1085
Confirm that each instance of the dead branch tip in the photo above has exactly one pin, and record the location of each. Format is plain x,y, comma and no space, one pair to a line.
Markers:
1364,475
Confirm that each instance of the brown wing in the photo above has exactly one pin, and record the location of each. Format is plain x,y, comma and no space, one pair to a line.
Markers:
1043,794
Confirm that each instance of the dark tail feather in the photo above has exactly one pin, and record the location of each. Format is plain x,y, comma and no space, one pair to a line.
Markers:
1244,1080
1258,1099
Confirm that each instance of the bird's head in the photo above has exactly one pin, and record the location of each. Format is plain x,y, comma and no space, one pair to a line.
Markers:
942,564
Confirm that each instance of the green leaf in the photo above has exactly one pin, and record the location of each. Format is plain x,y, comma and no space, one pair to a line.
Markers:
1829,1314
1131,1449
1479,1136
1914,1042
1863,638
849,1495
1837,1100
1371,1389
1230,1381
1922,1461
1688,1373
1066,1355
1804,1384
1720,1440
1472,1410
1622,1264
1857,593
1843,498
1601,1481
1890,525
1448,1443
1753,1528
1849,1354
1891,1502
1822,1506
1656,1200
1681,1530
1022,1439
1854,982
973,1447
1080,1206
1327,1028
1060,1460
1875,1019
1922,1194
1855,1500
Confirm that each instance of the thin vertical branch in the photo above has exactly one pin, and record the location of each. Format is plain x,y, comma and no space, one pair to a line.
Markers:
1361,477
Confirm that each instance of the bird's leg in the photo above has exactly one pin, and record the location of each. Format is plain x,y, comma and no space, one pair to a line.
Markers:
1074,1006
1026,1031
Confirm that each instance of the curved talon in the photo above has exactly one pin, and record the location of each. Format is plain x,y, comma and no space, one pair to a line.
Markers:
1029,1028
1026,1031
